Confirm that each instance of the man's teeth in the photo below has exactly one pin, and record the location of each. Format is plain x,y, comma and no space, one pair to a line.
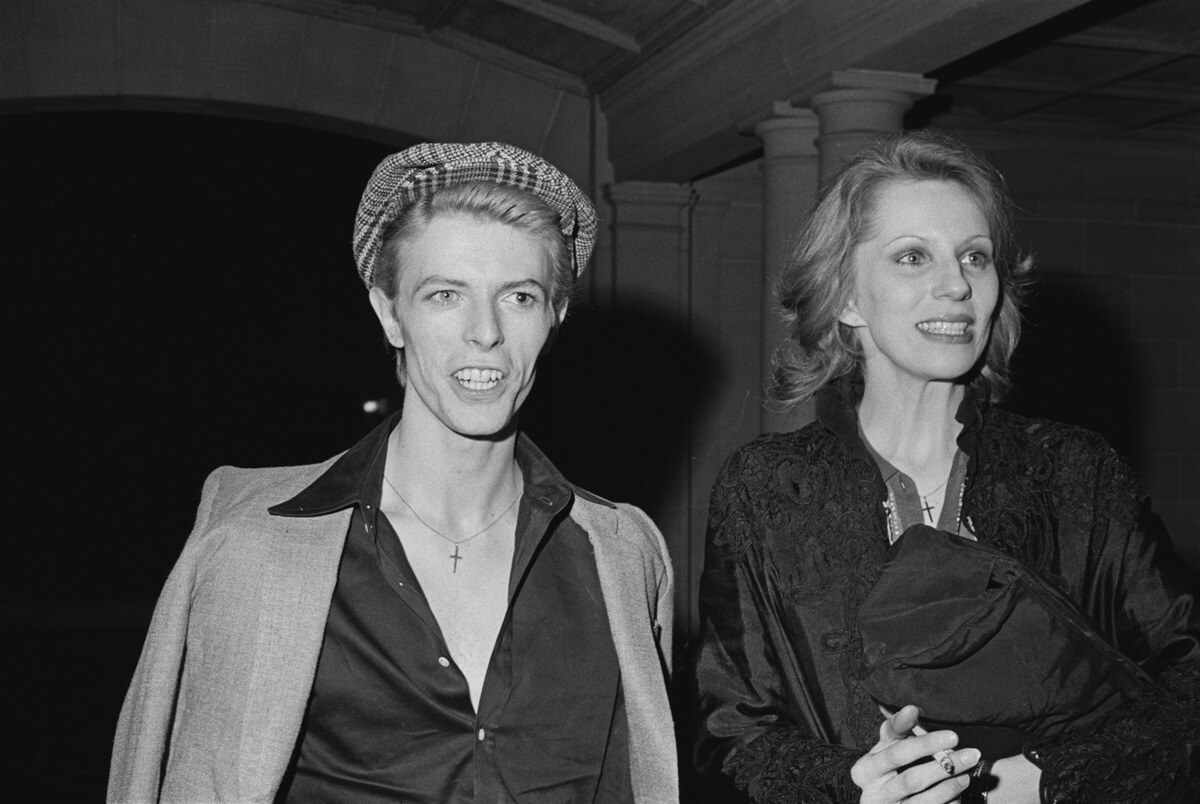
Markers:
478,379
943,327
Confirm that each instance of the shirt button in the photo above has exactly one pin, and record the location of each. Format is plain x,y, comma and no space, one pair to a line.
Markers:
482,735
443,661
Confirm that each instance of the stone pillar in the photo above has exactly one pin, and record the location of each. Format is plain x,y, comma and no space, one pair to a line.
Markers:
790,180
859,107
651,352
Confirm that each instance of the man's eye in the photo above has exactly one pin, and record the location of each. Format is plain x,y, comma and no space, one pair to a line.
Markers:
523,298
443,296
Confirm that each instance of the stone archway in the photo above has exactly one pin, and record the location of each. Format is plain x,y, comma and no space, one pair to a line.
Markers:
255,60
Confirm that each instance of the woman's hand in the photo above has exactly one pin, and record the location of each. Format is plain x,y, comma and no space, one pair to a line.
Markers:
1017,781
883,774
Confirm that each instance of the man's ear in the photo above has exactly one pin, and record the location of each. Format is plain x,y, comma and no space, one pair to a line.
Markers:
850,317
385,311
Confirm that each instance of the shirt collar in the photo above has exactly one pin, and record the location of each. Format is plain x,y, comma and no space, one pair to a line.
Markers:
356,477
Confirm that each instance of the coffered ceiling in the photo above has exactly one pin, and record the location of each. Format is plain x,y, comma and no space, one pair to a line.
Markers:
1119,68
681,82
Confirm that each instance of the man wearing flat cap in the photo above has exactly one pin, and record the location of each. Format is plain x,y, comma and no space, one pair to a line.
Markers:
436,615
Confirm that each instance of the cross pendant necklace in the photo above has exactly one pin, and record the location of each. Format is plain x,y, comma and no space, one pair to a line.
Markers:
457,555
927,506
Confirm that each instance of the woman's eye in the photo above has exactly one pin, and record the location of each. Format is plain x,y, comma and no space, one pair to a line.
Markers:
524,298
911,258
979,259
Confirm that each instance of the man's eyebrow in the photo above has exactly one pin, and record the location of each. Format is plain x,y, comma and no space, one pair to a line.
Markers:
523,283
440,280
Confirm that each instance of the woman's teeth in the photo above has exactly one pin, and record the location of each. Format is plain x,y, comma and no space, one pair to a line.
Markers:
943,327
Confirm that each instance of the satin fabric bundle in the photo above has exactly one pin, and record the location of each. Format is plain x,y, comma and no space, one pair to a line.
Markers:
985,646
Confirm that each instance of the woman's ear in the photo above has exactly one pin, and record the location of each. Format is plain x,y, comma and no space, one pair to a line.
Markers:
850,317
385,311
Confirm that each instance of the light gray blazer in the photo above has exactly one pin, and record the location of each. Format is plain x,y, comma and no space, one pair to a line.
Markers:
225,674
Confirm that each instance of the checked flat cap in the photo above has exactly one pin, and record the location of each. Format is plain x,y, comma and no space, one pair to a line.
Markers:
404,177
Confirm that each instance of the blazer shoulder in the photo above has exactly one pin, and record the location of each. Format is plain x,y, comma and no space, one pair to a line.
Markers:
623,523
580,491
232,490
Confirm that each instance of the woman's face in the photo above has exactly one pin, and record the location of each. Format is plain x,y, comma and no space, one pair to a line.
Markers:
925,285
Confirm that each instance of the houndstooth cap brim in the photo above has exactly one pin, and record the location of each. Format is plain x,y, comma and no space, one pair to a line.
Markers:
404,177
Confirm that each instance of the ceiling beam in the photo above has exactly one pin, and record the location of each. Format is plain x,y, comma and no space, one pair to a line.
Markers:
1133,42
407,25
577,22
1148,92
1126,72
669,115
1154,118
439,13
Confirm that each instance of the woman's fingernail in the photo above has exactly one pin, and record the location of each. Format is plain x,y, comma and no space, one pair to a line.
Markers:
969,757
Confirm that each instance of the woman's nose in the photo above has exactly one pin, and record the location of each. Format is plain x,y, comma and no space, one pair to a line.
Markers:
951,281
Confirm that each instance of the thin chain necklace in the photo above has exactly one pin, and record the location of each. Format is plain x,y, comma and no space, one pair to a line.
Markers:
926,506
456,556
896,528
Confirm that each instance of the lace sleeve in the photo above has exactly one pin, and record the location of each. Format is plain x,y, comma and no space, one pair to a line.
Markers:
1140,754
747,730
783,766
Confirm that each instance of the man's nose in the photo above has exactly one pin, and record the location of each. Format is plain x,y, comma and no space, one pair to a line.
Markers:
484,329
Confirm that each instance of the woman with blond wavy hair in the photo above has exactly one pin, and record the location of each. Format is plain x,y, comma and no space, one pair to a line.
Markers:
920,596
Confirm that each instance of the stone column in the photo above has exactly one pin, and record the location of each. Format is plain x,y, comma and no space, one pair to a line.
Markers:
650,353
650,243
790,176
859,107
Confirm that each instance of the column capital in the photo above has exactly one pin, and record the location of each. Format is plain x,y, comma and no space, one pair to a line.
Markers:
868,100
913,84
648,192
648,203
859,107
791,132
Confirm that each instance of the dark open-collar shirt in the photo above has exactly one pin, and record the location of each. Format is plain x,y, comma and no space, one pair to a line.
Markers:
390,716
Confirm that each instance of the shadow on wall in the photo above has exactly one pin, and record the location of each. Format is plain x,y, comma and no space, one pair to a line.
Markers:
614,406
1076,361
615,399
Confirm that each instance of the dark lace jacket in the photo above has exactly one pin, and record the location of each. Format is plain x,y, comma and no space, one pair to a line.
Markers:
797,533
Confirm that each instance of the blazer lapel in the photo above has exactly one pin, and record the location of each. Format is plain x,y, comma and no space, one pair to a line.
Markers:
300,572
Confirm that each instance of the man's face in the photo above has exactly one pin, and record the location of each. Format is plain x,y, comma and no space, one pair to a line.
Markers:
472,313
